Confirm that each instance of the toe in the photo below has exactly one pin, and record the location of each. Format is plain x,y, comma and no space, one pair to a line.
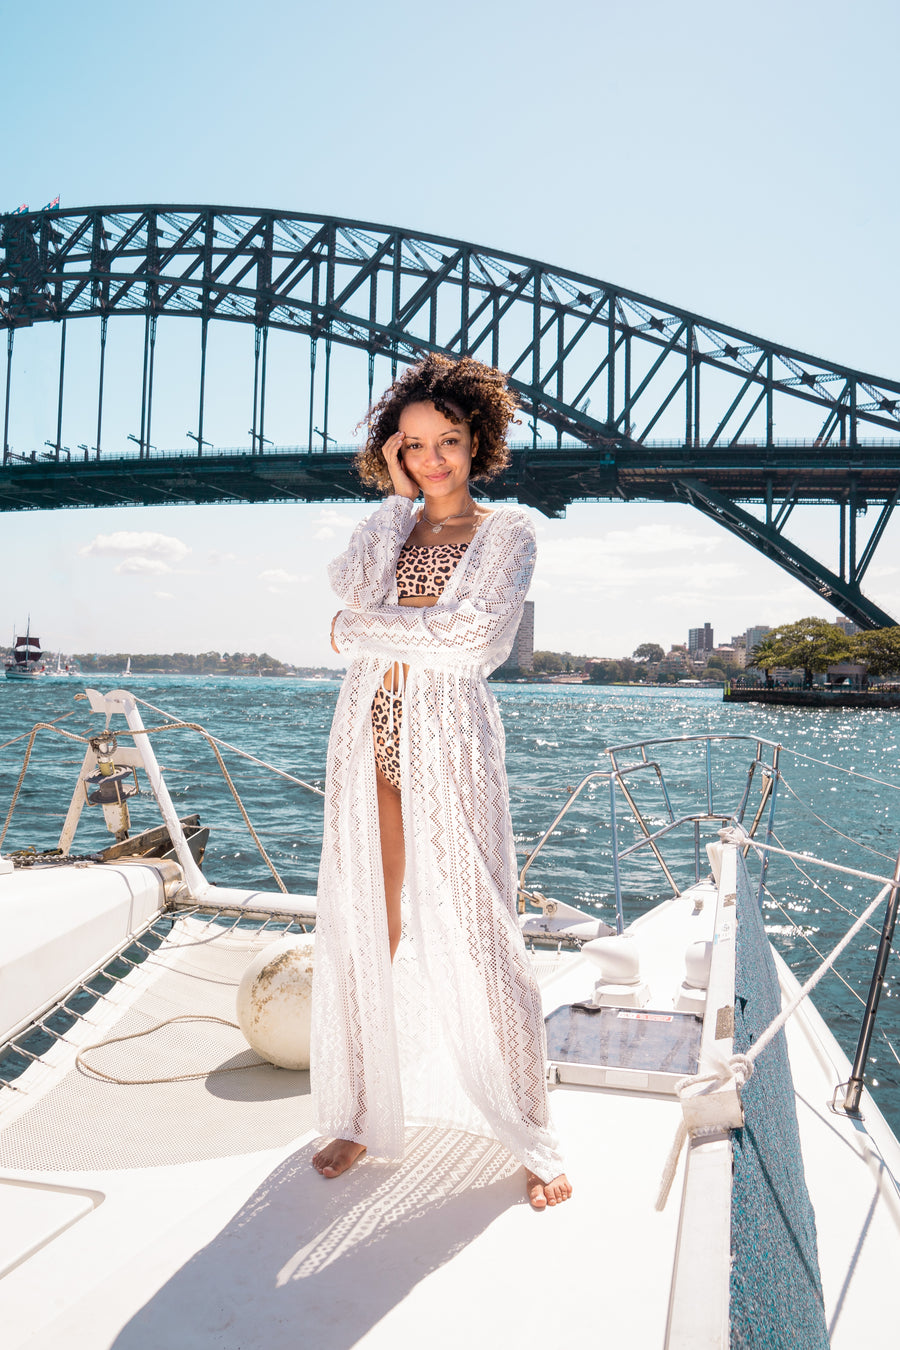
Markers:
536,1192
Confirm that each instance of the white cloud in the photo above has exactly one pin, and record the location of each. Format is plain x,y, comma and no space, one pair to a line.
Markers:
143,552
163,595
620,561
276,576
138,566
217,559
330,523
275,580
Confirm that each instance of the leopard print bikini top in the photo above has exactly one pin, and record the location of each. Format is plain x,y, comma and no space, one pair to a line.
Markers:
425,570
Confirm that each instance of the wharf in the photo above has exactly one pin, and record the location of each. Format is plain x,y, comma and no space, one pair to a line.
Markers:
815,697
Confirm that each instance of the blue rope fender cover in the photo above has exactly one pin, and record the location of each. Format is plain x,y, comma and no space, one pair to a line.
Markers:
776,1287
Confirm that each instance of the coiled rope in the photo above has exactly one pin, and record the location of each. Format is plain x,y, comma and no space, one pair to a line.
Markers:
92,1071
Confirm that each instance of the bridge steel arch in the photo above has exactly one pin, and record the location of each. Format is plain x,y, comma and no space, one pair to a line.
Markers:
628,398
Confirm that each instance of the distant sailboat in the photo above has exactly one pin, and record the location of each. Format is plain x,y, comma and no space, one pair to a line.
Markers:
127,670
26,663
61,670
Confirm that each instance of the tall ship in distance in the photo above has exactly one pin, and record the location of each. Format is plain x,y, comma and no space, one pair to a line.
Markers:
27,662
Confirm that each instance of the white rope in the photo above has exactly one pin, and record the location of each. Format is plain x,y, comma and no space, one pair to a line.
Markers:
670,1166
739,1068
94,1072
774,1027
736,834
798,931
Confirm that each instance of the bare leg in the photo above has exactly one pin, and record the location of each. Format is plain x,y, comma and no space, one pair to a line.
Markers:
340,1154
393,854
544,1193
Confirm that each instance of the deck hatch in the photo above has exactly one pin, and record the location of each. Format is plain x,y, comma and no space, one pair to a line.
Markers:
623,1047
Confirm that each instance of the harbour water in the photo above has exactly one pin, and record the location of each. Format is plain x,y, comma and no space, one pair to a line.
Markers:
555,735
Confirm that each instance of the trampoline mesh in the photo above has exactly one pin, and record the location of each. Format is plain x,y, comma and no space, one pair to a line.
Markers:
86,1123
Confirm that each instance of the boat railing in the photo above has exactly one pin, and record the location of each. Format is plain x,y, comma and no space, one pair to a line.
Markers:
121,701
739,825
763,763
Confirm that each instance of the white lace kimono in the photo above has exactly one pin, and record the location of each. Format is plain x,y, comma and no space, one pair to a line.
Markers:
453,1032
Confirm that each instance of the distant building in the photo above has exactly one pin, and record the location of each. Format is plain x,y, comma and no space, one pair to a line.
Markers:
675,662
754,636
847,626
700,641
739,647
522,654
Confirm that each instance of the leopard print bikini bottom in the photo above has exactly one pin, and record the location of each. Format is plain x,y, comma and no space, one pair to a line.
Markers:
420,571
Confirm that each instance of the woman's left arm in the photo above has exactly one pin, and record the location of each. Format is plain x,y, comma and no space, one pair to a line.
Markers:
475,625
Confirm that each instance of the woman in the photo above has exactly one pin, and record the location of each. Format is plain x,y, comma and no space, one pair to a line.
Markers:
452,1032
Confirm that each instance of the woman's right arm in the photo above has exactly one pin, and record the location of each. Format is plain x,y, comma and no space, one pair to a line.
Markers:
363,574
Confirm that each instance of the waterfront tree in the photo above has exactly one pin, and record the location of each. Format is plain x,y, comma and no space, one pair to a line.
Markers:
764,657
809,644
648,651
879,650
548,663
606,672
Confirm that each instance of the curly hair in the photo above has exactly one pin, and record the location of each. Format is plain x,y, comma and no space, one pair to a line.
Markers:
466,387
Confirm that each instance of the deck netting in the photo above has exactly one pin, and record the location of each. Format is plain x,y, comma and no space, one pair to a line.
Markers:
84,1123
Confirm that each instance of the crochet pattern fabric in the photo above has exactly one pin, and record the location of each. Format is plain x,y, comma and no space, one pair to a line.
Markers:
453,1032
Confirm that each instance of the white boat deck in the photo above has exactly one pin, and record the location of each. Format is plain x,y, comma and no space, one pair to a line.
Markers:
187,1214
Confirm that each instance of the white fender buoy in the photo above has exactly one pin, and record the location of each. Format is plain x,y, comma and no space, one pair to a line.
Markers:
274,1001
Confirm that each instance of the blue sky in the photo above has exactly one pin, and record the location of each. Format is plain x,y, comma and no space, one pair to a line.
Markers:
739,161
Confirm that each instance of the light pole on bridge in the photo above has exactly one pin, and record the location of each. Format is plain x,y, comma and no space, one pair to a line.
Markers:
199,439
145,446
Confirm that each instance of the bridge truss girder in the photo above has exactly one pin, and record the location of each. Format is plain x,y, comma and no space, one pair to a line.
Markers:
591,361
767,538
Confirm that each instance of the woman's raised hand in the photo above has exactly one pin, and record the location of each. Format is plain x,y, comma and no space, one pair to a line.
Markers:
403,484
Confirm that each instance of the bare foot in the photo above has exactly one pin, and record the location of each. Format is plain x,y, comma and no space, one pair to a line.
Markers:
544,1193
336,1157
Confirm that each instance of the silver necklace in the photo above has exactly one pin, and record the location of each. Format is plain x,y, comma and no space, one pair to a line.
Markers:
439,525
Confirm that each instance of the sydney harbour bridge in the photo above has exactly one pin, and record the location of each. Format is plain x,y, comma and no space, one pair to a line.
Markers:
624,397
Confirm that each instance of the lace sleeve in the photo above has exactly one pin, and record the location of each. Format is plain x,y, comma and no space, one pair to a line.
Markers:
476,624
363,575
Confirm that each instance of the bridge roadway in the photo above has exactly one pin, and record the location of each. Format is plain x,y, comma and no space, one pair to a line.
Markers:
548,478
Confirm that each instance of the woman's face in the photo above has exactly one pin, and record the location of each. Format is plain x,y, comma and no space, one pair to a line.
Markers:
436,453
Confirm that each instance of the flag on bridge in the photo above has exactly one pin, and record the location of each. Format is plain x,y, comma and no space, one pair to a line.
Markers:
21,210
52,206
